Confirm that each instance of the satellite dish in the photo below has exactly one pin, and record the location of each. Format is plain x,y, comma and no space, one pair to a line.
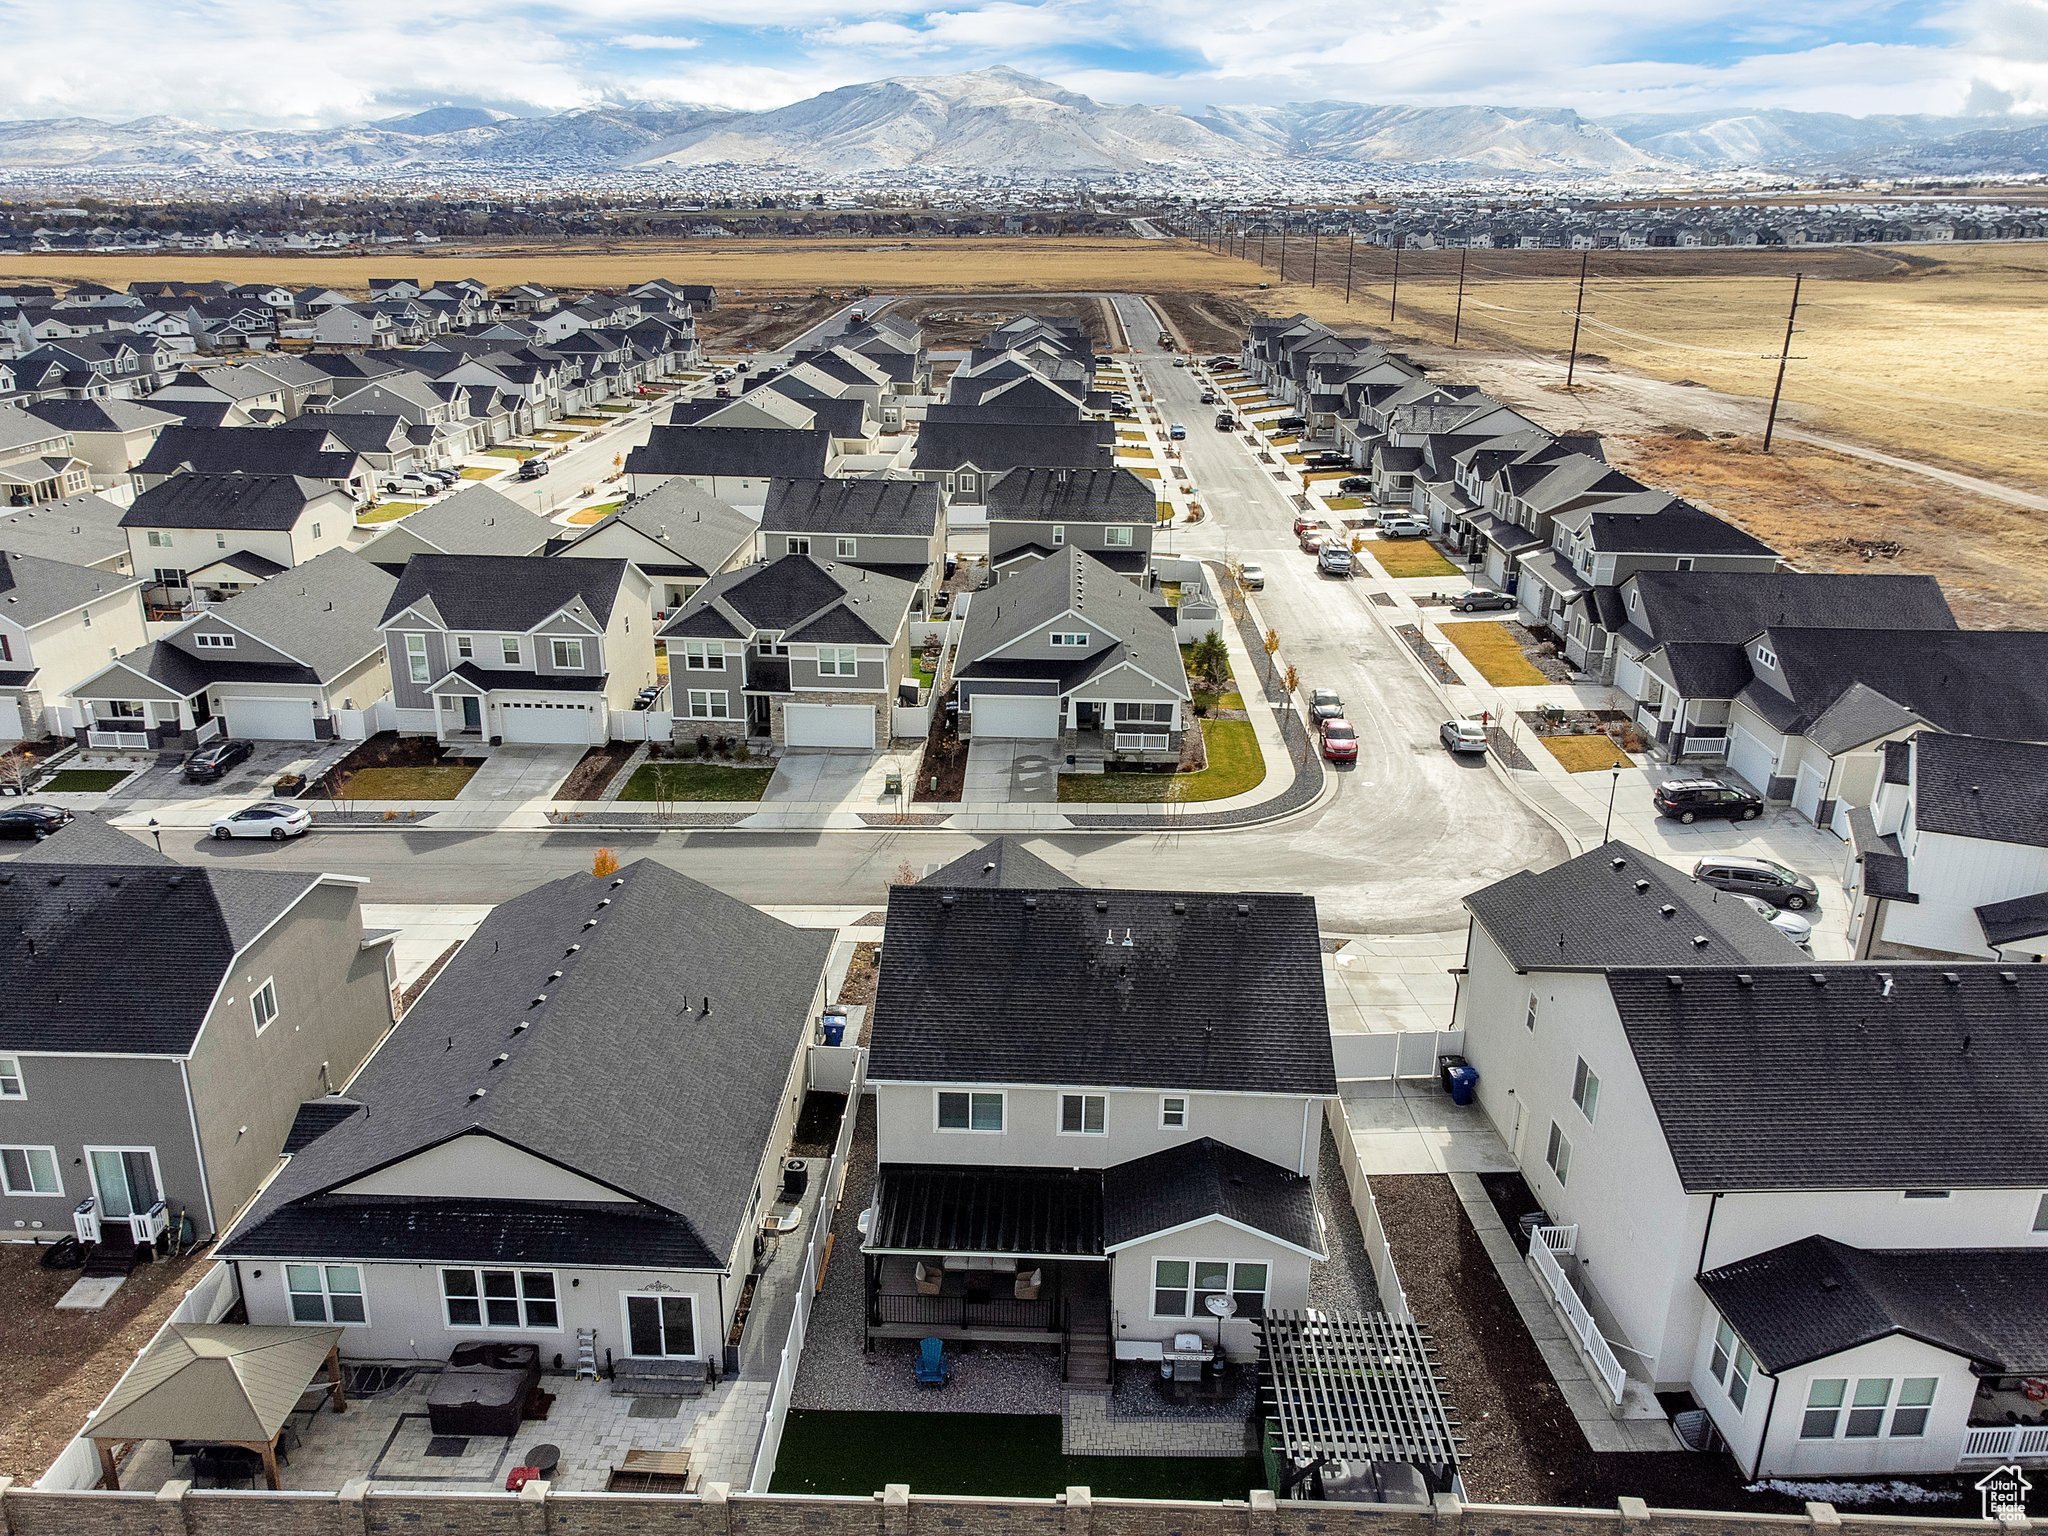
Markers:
1220,1306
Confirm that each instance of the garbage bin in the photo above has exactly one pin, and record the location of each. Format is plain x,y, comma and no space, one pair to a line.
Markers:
1463,1080
833,1027
1444,1064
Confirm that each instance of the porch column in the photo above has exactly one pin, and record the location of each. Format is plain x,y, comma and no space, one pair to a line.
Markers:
335,1393
110,1473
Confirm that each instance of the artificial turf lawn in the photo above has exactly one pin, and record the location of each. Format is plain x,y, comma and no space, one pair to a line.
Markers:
1493,649
81,781
388,511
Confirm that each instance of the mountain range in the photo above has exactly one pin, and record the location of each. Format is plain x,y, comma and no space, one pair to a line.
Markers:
1000,121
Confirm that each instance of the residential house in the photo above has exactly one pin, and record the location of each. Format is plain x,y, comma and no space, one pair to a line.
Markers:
37,461
1096,1110
353,325
1069,652
676,536
474,521
893,527
517,648
579,1127
221,998
257,452
112,436
736,465
969,455
200,535
802,650
262,398
1110,514
58,624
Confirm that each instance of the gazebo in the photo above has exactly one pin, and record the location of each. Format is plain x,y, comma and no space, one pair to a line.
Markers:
217,1384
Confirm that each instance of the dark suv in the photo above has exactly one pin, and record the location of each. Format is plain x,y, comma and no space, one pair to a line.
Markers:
212,761
1765,879
1687,800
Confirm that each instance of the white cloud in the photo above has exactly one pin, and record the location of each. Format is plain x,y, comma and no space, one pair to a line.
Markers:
653,42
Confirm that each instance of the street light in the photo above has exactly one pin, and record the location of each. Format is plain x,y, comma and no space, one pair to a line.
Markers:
156,832
1613,788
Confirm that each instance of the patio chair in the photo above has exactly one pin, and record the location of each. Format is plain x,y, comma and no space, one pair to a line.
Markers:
929,1280
1026,1286
932,1366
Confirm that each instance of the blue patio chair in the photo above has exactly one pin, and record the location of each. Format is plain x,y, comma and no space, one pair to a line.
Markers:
932,1365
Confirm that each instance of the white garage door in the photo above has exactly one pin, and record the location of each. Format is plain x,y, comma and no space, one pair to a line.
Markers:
538,722
1806,790
1628,673
1750,759
828,725
1012,717
269,719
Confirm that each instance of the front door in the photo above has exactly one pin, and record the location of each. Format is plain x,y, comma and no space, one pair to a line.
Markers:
1087,717
759,718
658,1326
472,714
124,1179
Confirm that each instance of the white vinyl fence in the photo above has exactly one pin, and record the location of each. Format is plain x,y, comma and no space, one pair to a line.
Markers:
1545,1244
1384,1055
1388,1279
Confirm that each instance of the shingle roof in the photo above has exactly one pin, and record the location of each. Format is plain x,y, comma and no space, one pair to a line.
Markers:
1069,581
125,959
103,415
505,592
1860,715
2011,922
992,446
1002,863
397,1228
1675,528
1005,986
899,508
621,1075
479,521
1972,786
805,599
1970,682
1817,1297
1886,870
1727,607
735,452
693,528
84,530
33,589
323,612
251,503
1204,1178
1872,1077
248,450
1081,496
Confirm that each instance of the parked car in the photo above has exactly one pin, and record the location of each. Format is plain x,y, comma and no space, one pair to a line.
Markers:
1766,879
1687,800
411,485
1323,704
1208,397
1104,357
649,696
1340,741
1334,559
1251,576
1312,543
1327,460
1225,422
532,469
1790,924
212,761
1176,431
1463,735
274,819
1402,526
1355,484
1479,600
445,476
1290,424
34,820
1303,523
1180,362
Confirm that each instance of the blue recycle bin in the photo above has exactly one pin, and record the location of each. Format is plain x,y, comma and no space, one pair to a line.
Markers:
1463,1081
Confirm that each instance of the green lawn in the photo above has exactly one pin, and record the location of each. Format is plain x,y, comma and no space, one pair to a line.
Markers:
584,421
557,437
503,451
432,781
388,511
993,1454
695,781
1495,651
81,781
1343,503
479,472
1408,557
1235,765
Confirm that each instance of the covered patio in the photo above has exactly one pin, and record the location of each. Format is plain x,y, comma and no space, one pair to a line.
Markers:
218,1384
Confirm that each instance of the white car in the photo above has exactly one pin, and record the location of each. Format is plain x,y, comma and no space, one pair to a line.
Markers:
1252,576
1403,528
1463,735
274,819
1790,924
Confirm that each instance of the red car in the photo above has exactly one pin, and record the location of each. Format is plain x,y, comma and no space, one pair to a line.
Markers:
1340,742
1313,540
1305,524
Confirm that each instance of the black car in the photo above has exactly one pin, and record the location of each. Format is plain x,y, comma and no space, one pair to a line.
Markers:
1355,483
532,469
1290,424
1688,800
1225,422
1208,397
36,821
212,761
1328,461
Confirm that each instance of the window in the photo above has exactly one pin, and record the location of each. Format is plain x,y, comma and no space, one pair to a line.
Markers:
214,642
707,704
799,546
838,661
1059,534
10,1078
1871,1408
29,1171
1083,1114
1142,714
325,1293
1180,1287
1684,563
1916,1396
1631,599
661,1326
510,651
960,1111
1925,1194
704,655
170,576
158,539
416,658
316,530
1529,1016
1586,1089
1116,538
500,1298
1173,1112
1732,1364
465,647
263,1005
1559,1153
84,619
1063,639
848,548
567,654
1766,658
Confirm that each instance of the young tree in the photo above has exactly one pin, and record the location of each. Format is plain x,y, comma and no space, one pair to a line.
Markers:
1210,658
606,863
1271,641
1290,680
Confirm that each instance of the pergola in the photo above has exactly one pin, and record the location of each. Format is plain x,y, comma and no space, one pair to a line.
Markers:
218,1384
1353,1388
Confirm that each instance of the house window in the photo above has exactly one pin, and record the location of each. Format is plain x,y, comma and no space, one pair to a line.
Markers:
1059,534
708,704
848,548
1683,563
1173,1113
30,1171
960,1111
1181,1287
799,546
1871,1409
1925,1194
1559,1153
84,621
510,651
1142,714
416,658
1766,658
1586,1089
1116,538
156,538
169,576
704,655
1069,640
316,530
838,661
263,1005
568,655
1083,1114
1631,599
1529,1014
500,1298
220,541
214,642
770,648
325,1293
11,1088
465,647
1732,1364
663,1326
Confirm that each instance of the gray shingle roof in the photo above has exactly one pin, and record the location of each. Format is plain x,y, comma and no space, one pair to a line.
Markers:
479,521
993,446
804,598
249,450
694,529
1069,581
1860,715
105,415
1205,1178
1970,682
84,530
1004,986
734,452
1002,863
1770,1079
505,592
324,612
251,503
1676,528
1079,496
897,508
1727,607
1972,786
2010,922
33,589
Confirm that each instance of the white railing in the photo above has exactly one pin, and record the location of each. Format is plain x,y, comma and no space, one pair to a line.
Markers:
2004,1442
100,736
1142,741
147,1226
1544,1247
1648,716
1384,1055
1698,745
1378,1251
85,1220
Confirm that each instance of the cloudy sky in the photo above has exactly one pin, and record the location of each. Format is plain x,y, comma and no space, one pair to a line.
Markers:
319,62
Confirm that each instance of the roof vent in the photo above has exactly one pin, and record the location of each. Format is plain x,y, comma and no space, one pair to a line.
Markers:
58,879
1641,886
522,1026
1620,863
538,1001
706,1009
1952,978
1102,903
574,947
618,882
1673,979
947,898
604,903
1030,903
1668,910
1180,909
1885,983
989,868
477,1093
1744,979
1830,1283
1128,942
554,975
500,1059
588,923
2010,978
1244,909
1699,941
1818,978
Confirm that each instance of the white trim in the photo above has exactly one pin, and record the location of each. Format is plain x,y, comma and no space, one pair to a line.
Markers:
1230,1268
1187,1113
1059,1124
1203,1221
483,1323
156,1173
321,1266
269,986
697,1351
10,1067
56,1169
969,1129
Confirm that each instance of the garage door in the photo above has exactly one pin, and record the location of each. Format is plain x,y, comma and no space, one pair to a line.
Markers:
1628,673
828,725
269,719
1750,759
538,722
1806,790
1010,717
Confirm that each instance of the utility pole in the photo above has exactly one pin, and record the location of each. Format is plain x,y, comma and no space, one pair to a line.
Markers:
1315,251
1578,312
1283,247
1458,315
1262,242
1394,302
1350,256
1784,356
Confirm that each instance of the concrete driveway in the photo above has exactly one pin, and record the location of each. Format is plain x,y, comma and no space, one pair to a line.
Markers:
163,778
820,778
1011,773
522,772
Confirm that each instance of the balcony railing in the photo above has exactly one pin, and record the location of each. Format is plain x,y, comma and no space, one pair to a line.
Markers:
964,1312
102,734
1545,1244
2004,1442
